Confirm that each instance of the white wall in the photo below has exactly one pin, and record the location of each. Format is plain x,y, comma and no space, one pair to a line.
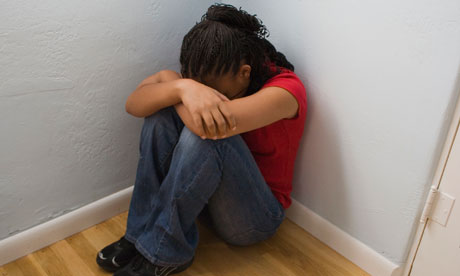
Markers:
380,78
66,68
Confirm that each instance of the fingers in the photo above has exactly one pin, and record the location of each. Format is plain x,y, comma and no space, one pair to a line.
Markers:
210,114
231,121
228,116
209,124
206,131
199,124
218,121
221,125
214,124
221,96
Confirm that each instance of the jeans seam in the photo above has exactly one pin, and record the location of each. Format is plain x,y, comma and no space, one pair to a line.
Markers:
130,238
167,155
193,179
174,199
167,227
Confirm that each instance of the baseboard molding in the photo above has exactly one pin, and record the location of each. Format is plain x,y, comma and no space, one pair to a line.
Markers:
351,248
73,222
64,226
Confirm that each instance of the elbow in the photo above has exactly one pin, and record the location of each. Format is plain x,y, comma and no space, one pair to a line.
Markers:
130,109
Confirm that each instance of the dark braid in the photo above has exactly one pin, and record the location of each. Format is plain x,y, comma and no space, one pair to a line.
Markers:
223,39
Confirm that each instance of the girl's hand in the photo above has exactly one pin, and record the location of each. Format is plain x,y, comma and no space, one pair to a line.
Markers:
207,108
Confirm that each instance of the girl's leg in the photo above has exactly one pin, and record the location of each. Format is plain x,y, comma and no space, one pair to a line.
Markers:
159,136
203,171
243,209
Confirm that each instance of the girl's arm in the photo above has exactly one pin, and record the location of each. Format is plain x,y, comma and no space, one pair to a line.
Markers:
206,112
154,93
255,111
166,88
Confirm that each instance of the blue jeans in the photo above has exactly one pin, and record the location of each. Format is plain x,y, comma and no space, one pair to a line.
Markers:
178,175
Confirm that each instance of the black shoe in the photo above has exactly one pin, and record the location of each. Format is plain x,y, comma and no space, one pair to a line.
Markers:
116,255
140,266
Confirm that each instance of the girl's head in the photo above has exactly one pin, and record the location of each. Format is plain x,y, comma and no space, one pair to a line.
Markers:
228,51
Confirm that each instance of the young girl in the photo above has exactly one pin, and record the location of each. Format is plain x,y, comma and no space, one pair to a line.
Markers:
219,139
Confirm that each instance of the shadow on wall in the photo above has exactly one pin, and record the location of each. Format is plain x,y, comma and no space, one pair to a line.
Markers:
319,150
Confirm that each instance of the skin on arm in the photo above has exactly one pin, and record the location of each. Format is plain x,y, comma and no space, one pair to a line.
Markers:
204,110
255,111
166,88
154,93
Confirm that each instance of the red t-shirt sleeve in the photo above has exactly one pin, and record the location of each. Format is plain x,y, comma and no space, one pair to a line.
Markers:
275,146
288,80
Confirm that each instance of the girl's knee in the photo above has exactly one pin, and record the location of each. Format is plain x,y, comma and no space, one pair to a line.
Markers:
190,140
161,116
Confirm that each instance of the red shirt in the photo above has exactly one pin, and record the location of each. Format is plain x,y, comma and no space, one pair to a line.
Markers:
274,146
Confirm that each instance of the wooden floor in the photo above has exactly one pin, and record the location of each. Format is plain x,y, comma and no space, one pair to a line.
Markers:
291,251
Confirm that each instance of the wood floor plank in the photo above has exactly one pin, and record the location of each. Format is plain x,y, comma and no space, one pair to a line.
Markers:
70,259
324,258
230,262
100,236
290,252
298,262
86,252
253,257
12,269
50,262
279,267
123,216
115,226
29,266
121,220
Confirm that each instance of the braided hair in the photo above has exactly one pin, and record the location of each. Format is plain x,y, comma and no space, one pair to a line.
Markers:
223,39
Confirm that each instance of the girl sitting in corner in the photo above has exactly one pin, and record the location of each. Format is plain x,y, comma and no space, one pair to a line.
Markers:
219,140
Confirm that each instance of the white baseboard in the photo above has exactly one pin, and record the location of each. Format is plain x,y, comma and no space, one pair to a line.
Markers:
64,226
351,248
73,222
